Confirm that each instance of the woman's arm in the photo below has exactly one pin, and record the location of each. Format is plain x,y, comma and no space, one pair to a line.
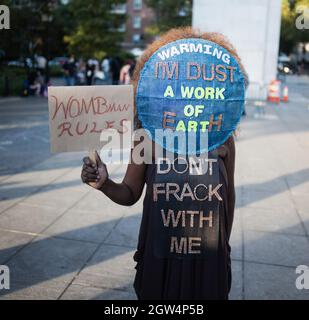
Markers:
130,189
229,161
125,193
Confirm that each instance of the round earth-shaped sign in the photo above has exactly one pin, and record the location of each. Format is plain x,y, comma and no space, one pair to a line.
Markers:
191,87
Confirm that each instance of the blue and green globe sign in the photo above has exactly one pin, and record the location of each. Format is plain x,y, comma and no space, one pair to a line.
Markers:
191,87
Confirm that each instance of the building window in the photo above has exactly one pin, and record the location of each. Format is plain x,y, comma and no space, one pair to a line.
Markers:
122,28
136,38
137,21
119,8
137,4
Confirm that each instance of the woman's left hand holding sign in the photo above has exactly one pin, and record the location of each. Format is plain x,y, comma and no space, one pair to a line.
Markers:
94,173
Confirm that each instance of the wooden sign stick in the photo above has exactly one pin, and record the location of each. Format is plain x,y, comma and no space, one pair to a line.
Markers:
93,159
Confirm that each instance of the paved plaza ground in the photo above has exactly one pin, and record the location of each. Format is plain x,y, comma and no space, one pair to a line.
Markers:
63,240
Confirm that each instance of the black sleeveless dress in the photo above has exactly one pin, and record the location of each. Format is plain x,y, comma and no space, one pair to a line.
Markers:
183,249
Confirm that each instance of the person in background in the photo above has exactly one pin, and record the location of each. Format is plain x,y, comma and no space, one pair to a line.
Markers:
34,86
41,63
115,70
106,68
95,63
132,68
41,81
69,69
80,74
90,70
125,76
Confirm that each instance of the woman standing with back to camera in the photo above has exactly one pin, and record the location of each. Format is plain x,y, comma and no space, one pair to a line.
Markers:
183,249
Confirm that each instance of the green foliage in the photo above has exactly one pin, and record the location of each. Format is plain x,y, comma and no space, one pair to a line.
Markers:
93,32
169,14
290,35
29,33
14,76
84,28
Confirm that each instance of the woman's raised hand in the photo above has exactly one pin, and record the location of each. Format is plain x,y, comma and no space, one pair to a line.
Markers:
94,173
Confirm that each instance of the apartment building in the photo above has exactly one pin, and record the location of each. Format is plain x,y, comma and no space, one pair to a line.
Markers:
139,17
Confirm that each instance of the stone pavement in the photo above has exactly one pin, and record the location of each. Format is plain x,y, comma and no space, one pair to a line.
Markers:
63,240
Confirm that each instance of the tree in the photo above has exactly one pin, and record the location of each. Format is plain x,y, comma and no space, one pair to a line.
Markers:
33,25
94,31
290,35
169,14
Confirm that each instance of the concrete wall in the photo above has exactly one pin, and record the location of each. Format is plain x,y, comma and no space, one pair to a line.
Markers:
253,27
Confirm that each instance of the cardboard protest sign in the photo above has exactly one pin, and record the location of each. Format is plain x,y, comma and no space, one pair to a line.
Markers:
191,86
79,114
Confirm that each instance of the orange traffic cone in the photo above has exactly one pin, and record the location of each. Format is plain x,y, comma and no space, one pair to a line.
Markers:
285,97
274,91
